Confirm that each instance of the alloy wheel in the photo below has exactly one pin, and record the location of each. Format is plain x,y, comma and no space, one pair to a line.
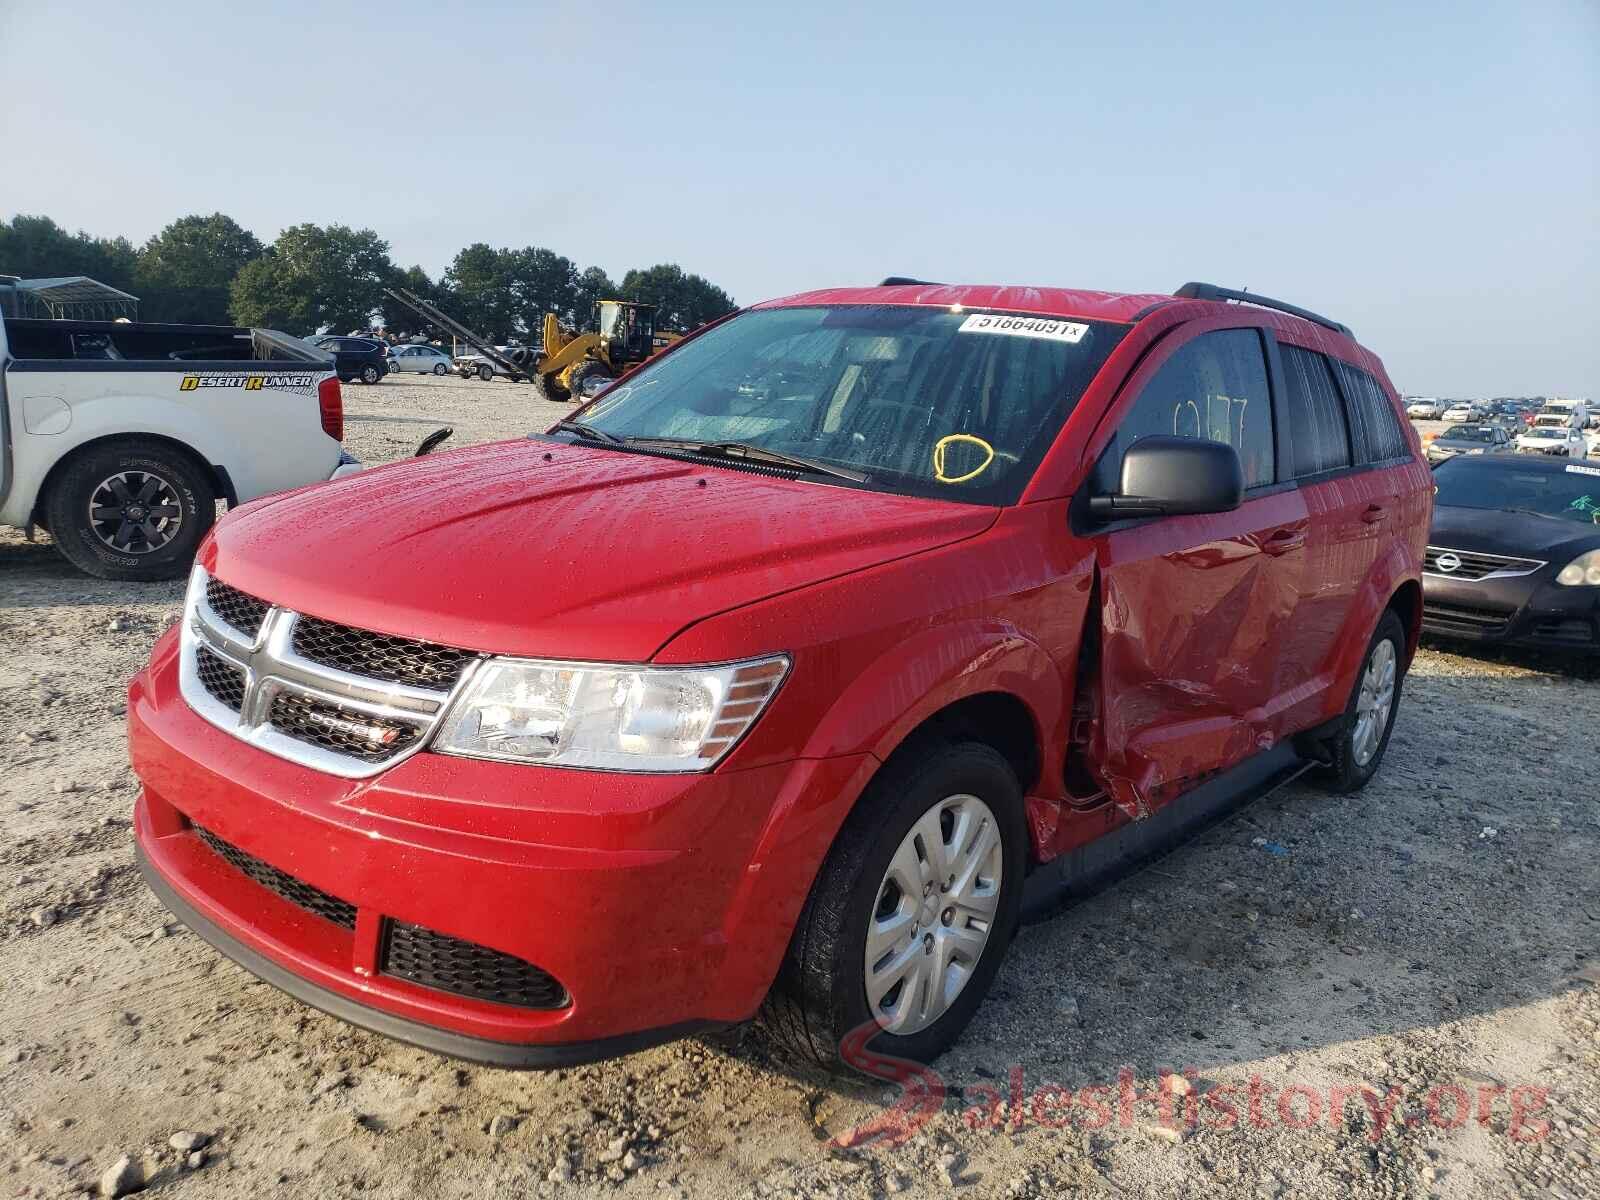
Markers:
936,907
1373,702
135,512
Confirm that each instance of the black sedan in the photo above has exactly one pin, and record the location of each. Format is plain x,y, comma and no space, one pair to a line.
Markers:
1514,555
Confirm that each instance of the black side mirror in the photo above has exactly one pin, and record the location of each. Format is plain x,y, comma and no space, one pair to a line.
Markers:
1169,476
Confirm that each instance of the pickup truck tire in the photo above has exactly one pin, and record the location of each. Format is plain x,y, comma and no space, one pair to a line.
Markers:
1357,749
370,374
970,795
154,502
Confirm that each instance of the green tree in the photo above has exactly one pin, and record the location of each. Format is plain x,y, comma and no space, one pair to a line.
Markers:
543,281
402,319
483,292
683,302
35,247
186,270
314,278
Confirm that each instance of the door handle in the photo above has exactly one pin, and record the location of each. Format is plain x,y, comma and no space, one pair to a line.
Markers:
1284,540
1373,513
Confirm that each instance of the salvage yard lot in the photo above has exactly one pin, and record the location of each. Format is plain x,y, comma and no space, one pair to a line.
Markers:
1435,932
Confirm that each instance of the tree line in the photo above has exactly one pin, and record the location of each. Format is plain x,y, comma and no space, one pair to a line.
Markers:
210,270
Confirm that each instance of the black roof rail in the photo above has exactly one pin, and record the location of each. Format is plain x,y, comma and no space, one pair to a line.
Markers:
1210,291
898,280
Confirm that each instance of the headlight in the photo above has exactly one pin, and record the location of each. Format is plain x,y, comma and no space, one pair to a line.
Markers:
610,718
1582,571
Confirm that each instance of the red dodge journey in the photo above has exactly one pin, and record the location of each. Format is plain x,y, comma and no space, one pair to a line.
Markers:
789,673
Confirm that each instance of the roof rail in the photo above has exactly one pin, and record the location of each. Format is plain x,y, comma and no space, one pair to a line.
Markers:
1210,291
897,280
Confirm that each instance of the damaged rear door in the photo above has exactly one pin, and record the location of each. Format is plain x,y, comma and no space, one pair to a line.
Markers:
1195,609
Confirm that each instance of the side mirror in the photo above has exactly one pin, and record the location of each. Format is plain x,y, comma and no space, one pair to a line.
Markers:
1170,476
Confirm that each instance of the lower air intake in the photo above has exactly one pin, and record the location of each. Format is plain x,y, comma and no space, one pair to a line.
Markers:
447,964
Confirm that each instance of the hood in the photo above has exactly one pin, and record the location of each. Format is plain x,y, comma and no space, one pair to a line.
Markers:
541,548
1516,535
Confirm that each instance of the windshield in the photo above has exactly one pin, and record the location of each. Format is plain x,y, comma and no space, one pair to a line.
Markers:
1467,433
1550,425
921,401
1572,493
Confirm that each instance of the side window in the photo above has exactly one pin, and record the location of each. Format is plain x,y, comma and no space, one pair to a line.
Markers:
1213,387
1372,414
1317,424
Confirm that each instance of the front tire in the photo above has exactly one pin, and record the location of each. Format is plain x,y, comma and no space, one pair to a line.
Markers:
370,374
133,510
1369,716
440,369
911,914
486,373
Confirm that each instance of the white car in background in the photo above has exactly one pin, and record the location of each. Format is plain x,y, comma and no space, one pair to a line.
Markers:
1460,411
421,360
1424,410
1552,433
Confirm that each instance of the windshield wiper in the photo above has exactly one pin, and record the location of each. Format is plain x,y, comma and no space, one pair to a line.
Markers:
744,451
589,433
1531,512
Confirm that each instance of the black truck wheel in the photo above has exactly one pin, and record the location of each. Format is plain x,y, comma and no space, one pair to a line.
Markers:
131,510
586,373
552,389
485,372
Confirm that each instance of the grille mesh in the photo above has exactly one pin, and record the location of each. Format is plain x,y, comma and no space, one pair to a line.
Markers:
295,891
239,609
378,655
1442,618
1474,565
449,964
314,721
222,679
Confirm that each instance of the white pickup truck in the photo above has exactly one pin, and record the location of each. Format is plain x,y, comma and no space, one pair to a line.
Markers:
120,438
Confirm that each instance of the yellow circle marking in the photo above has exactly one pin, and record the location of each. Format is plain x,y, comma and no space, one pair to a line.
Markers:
938,457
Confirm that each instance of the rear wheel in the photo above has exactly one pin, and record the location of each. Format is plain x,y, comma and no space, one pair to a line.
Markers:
133,510
1358,747
910,916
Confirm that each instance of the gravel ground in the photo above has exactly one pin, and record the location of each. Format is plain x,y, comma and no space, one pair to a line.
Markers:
1436,932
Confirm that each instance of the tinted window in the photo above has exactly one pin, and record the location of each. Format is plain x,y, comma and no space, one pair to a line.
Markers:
1213,387
1372,414
1317,424
1573,493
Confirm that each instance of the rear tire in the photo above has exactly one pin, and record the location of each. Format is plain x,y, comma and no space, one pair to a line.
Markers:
132,510
953,948
1369,716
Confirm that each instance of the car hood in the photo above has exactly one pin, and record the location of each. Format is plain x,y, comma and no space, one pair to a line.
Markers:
1516,535
538,547
1458,447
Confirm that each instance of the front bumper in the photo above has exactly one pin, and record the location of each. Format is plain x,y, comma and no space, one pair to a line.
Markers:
660,904
1524,611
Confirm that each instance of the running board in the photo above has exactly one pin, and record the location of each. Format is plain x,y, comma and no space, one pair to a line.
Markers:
1088,869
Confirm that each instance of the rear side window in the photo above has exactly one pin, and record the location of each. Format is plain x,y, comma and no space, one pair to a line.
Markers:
1317,425
1213,387
1371,415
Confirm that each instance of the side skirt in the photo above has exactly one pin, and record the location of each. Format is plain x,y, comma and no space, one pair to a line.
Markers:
1088,869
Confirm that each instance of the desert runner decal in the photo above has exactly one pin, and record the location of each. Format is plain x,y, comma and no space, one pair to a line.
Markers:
1034,327
301,384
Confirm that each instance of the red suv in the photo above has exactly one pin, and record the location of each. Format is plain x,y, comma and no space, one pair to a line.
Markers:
793,671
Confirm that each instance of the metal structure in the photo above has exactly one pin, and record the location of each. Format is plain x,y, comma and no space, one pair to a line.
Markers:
73,298
448,324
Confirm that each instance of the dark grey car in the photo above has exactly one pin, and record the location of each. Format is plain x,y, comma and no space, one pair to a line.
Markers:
1469,439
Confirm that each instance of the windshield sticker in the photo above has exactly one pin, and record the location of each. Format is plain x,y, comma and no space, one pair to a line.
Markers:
1034,327
1576,470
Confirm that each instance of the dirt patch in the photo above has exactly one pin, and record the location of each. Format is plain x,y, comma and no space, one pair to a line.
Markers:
1436,932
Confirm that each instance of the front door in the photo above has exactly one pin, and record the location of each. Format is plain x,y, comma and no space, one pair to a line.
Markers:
1195,609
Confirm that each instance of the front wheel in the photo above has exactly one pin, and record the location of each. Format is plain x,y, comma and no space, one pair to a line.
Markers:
486,373
1369,716
911,914
133,510
370,374
440,369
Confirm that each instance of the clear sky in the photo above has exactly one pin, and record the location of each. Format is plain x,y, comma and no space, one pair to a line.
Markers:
1425,172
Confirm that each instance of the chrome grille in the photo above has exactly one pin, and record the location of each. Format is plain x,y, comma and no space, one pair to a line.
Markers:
239,609
357,710
220,678
1473,565
396,659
